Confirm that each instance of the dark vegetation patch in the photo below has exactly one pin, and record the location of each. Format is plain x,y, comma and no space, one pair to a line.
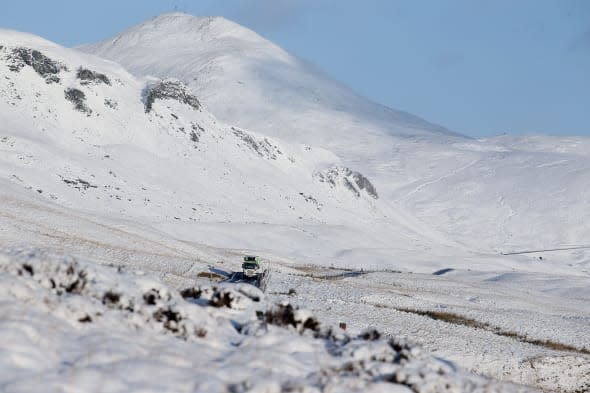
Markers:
370,335
285,315
79,184
216,297
191,293
111,298
457,319
172,90
169,318
85,319
291,292
87,76
108,102
44,66
196,132
363,364
311,199
67,278
335,276
154,296
222,299
28,268
200,332
78,98
150,298
211,276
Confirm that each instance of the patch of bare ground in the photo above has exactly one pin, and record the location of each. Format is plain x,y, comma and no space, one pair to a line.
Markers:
211,276
332,276
457,319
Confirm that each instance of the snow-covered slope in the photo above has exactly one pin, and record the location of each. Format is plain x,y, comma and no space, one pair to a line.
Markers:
247,80
100,329
496,195
135,173
84,133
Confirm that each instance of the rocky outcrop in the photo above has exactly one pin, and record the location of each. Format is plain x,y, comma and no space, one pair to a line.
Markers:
87,76
169,89
355,182
78,98
44,66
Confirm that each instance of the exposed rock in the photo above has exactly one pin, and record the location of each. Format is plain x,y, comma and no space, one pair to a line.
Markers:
111,103
87,76
79,184
364,184
264,148
355,182
78,98
43,65
172,90
196,132
311,199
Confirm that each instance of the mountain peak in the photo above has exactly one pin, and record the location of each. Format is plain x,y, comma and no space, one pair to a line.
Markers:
180,19
180,28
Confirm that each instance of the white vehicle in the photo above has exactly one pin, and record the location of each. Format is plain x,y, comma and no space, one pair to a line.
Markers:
251,266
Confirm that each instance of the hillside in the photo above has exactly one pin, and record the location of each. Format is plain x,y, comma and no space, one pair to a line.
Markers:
245,79
83,133
496,195
400,229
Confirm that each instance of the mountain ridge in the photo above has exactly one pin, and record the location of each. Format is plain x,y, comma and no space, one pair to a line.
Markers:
405,233
233,55
90,136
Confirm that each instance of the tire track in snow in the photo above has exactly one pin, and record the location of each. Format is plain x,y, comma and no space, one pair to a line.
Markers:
439,179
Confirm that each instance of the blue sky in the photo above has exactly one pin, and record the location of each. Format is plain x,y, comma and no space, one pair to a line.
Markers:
479,67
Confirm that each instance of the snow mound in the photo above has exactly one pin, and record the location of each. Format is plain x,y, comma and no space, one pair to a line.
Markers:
83,327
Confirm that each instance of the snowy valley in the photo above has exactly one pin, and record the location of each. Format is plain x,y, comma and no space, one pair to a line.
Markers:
135,173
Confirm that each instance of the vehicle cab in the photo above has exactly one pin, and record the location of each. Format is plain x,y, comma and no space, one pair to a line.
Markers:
251,265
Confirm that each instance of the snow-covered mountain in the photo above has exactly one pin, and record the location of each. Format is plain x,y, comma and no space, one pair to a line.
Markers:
245,79
496,195
84,133
371,217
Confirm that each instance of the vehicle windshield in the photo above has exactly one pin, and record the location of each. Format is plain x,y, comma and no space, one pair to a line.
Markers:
250,265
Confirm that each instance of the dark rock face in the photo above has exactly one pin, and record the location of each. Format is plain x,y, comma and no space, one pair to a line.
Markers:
355,182
78,98
364,184
169,89
87,77
264,148
79,184
111,103
43,65
196,132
